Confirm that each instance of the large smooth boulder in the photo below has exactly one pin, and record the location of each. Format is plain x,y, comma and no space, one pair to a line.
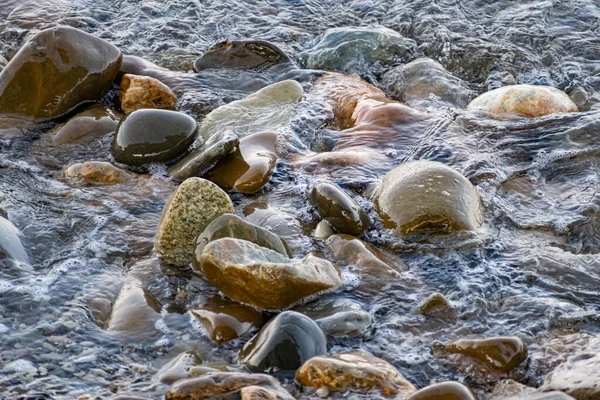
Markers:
502,354
139,92
354,371
189,210
242,54
55,71
426,196
264,278
523,100
443,391
153,136
285,343
339,209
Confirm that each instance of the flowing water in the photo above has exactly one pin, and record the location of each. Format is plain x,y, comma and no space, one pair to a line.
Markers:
533,270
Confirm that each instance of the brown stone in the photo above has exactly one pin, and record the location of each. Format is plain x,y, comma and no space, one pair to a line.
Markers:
145,92
94,122
365,255
443,391
502,354
339,209
436,305
354,371
98,172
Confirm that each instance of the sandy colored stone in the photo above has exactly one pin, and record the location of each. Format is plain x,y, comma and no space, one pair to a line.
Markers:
145,92
365,255
354,371
98,172
189,210
502,354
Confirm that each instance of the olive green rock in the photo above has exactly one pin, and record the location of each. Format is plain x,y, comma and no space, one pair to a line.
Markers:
427,196
189,210
342,213
55,71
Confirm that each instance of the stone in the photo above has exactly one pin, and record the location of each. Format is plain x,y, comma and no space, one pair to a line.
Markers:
436,305
555,395
94,122
352,49
263,278
339,209
334,161
227,385
523,100
203,158
178,368
338,318
443,391
98,172
232,226
425,83
428,197
249,168
153,136
511,390
242,54
189,210
135,65
57,70
139,92
225,320
269,109
353,371
284,225
323,230
283,344
502,354
10,243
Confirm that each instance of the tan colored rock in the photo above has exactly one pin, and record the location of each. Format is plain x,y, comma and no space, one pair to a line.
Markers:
523,100
354,371
98,172
365,255
436,305
145,92
501,354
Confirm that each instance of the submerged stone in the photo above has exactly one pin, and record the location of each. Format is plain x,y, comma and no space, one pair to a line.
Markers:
255,275
139,92
443,391
55,71
426,196
242,54
178,368
343,213
10,242
285,343
353,371
502,354
153,136
98,172
94,122
284,225
436,305
338,318
189,210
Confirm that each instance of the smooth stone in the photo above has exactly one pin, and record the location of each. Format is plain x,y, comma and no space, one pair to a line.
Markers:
98,172
283,344
189,210
523,100
264,278
555,395
139,92
323,230
225,385
242,54
232,226
94,122
427,196
178,368
269,109
135,65
338,318
339,209
225,320
351,49
425,83
101,296
209,368
436,305
353,371
359,157
501,354
55,71
202,159
443,391
153,136
282,224
10,243
249,167
511,390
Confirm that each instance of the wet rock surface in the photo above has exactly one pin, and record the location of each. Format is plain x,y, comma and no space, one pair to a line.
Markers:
338,208
501,354
92,123
438,306
242,54
178,368
338,318
98,172
139,92
443,391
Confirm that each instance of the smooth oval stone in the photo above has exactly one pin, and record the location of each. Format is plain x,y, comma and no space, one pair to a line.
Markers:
98,172
443,391
524,100
250,167
436,305
178,368
499,353
189,210
232,226
353,371
94,122
263,278
139,92
148,136
55,71
225,320
242,54
135,65
343,213
285,343
202,159
426,196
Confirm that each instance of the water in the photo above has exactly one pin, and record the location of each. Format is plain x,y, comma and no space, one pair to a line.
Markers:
533,271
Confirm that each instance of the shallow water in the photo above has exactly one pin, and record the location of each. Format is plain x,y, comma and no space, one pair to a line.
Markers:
533,270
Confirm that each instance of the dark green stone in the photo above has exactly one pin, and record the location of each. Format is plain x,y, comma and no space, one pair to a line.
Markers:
342,213
152,135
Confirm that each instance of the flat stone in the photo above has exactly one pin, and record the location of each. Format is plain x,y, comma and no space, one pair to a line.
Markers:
98,172
285,343
502,354
202,159
153,136
55,71
94,122
189,210
443,391
354,371
263,278
139,92
242,54
178,368
339,209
